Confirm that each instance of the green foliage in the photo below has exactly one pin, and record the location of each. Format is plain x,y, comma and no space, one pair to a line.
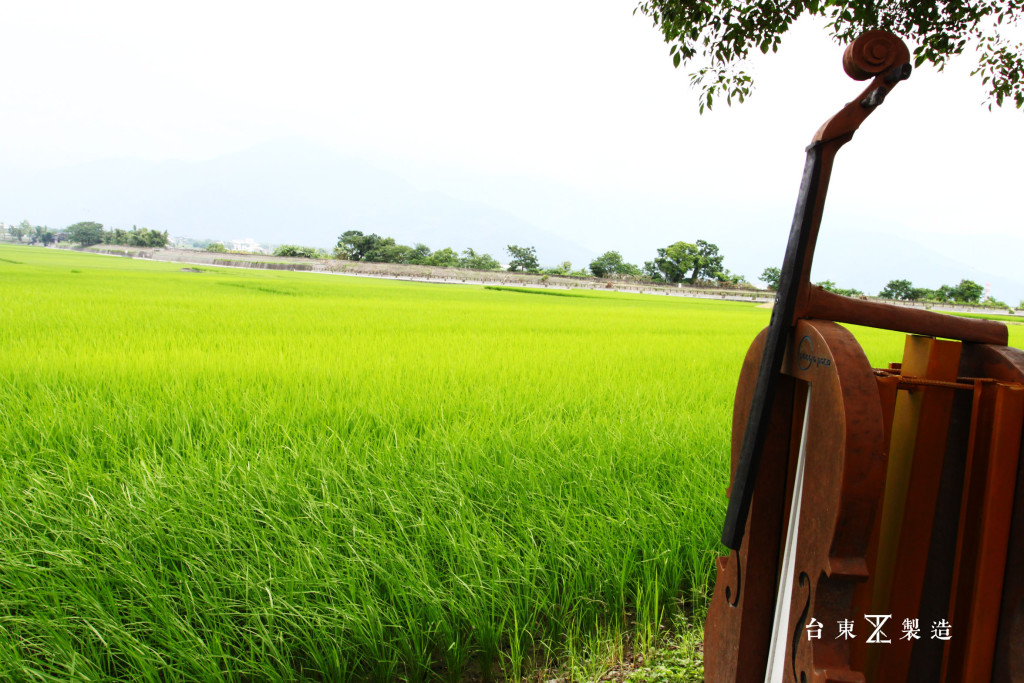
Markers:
611,264
629,270
471,259
715,38
34,233
361,480
353,245
968,291
351,479
85,233
735,279
708,263
996,303
830,286
1008,317
136,237
420,255
771,276
652,272
701,260
900,290
386,250
297,251
565,270
676,260
42,234
679,659
216,248
523,258
445,258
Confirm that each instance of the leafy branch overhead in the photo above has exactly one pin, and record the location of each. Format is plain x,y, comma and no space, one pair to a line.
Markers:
715,37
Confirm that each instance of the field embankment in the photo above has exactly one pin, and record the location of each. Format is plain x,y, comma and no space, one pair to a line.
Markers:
436,274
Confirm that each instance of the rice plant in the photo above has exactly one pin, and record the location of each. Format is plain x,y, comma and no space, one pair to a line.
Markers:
218,474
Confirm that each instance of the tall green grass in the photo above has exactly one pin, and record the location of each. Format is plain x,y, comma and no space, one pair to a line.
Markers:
284,476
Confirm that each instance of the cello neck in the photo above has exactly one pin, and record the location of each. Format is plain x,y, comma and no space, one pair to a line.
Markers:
875,54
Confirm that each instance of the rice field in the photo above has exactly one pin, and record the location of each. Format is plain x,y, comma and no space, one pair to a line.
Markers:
240,475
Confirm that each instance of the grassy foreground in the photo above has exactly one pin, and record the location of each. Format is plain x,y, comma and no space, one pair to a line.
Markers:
244,475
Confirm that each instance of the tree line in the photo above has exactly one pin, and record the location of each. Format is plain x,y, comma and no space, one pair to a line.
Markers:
966,292
33,233
700,262
88,233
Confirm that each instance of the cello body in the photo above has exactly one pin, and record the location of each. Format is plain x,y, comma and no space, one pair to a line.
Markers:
829,399
876,515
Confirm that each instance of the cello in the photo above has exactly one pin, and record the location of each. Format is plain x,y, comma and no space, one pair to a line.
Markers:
876,516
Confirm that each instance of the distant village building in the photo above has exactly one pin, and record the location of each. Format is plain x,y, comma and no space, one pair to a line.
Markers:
248,244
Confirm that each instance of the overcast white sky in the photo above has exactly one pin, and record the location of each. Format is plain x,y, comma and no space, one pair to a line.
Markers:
579,92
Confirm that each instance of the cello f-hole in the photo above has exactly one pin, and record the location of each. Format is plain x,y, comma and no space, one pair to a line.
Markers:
801,623
733,596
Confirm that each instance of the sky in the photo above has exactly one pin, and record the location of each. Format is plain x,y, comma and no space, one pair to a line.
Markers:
488,102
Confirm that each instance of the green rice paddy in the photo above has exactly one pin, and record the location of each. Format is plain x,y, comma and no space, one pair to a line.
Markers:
252,475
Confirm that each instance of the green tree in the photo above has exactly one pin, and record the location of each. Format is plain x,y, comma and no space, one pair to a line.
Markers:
968,291
18,231
716,37
141,237
830,286
388,251
900,290
353,245
115,236
216,248
445,258
708,264
475,261
85,233
921,294
296,251
563,268
611,264
523,258
771,276
420,254
676,260
725,277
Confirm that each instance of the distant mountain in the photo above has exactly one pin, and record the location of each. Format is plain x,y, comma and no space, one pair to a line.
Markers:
290,191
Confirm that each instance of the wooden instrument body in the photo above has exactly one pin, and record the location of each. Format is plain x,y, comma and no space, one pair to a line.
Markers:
832,405
831,389
858,492
1006,365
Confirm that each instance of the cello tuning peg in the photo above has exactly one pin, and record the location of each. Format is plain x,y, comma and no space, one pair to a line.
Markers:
900,73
